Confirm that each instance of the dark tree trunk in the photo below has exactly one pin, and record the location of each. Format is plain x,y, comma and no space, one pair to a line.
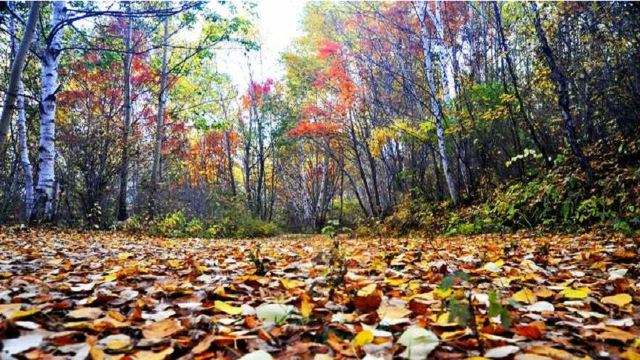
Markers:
562,89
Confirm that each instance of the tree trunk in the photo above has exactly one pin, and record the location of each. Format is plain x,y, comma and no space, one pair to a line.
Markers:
227,140
16,70
232,180
562,89
514,82
23,149
24,154
430,48
162,99
124,165
45,188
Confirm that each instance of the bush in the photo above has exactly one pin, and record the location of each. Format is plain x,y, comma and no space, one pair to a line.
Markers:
557,200
176,224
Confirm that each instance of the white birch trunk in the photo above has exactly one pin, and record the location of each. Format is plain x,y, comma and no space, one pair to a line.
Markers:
430,47
47,152
162,99
24,153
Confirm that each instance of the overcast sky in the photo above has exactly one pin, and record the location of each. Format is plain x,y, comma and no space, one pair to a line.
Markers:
278,25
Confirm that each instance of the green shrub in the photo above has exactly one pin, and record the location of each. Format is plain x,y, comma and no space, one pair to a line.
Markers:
173,224
194,228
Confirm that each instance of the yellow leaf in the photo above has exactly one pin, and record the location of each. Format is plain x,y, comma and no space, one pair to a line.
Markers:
96,353
119,342
20,314
636,343
619,300
114,314
7,309
439,293
110,277
452,335
524,296
306,307
395,281
174,263
291,283
226,308
630,355
124,255
443,320
362,338
580,293
367,290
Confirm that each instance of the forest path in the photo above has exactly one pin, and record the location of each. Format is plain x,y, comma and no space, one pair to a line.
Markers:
106,294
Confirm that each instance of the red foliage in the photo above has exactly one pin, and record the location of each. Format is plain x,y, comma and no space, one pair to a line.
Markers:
315,129
328,48
257,92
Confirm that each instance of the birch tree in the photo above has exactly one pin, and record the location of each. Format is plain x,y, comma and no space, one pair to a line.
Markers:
16,70
124,170
23,149
435,47
45,187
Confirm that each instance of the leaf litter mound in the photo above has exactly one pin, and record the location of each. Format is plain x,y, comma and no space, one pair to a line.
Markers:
109,295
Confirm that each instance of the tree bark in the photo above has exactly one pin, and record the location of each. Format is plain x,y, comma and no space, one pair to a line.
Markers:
162,99
514,82
16,70
562,88
227,140
23,149
430,48
45,188
27,169
124,165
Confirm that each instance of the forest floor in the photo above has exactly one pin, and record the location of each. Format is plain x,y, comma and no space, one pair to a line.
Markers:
109,295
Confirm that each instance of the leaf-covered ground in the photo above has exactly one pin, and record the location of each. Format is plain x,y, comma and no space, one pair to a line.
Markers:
116,296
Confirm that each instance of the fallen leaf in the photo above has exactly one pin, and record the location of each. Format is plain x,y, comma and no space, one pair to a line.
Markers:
117,343
571,293
151,355
257,355
501,352
161,329
90,313
20,344
362,338
540,306
524,296
273,312
291,283
226,308
620,300
419,342
203,345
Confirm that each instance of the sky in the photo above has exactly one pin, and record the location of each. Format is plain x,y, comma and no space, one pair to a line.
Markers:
279,22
